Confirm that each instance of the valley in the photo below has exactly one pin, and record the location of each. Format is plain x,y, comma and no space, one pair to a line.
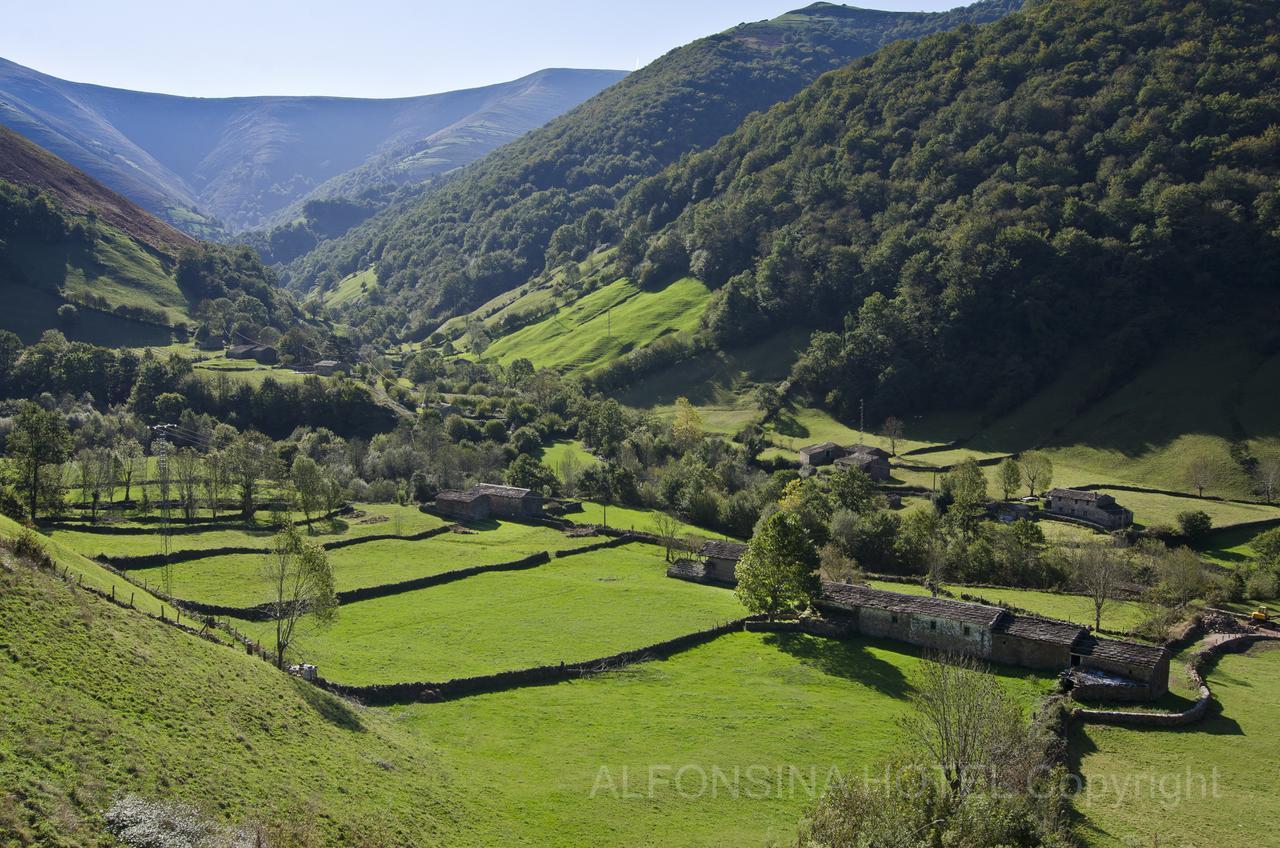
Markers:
852,428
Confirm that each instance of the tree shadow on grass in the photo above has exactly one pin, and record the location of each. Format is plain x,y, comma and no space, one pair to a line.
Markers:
330,707
848,659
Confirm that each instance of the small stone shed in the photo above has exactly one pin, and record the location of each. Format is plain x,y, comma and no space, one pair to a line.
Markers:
489,500
1094,507
720,557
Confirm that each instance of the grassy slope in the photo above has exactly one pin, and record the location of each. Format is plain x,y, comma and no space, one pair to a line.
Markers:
96,700
573,609
352,288
769,701
1236,749
604,325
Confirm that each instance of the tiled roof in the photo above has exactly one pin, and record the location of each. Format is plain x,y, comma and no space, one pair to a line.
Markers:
723,549
844,595
1041,629
869,451
1125,653
812,449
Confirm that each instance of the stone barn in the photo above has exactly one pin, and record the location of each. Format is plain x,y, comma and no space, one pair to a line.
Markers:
720,558
1093,507
1101,668
488,500
826,453
872,461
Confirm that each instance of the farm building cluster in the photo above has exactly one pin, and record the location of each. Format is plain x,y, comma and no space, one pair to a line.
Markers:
488,500
1106,669
871,460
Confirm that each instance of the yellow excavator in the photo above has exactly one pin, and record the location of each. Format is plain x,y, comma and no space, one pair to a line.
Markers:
1261,615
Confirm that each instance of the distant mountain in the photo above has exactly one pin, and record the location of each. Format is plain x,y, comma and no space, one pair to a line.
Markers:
208,165
127,277
496,223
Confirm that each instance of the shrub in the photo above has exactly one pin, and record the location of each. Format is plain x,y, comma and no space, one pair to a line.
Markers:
1194,524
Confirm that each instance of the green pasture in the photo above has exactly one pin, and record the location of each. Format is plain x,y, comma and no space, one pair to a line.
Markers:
236,579
795,710
604,325
572,609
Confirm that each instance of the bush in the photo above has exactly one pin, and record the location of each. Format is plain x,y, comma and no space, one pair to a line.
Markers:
1262,585
1194,524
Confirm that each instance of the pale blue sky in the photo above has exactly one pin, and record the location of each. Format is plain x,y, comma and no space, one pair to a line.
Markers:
371,48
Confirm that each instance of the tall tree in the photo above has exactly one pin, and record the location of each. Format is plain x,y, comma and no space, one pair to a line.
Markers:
1267,475
967,486
1037,471
686,429
300,579
893,430
250,458
779,570
131,457
1098,572
308,481
186,470
1201,473
39,442
1010,476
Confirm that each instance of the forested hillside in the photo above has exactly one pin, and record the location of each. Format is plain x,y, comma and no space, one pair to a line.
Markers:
78,257
523,208
968,214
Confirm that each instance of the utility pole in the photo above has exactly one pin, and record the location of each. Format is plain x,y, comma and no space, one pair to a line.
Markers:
862,421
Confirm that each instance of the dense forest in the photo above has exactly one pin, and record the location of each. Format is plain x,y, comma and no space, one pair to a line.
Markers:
959,214
502,220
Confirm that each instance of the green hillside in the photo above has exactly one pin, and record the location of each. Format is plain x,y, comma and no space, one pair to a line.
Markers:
534,202
603,325
126,704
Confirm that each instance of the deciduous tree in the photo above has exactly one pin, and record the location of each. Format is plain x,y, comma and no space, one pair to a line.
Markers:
38,445
1037,471
300,579
778,572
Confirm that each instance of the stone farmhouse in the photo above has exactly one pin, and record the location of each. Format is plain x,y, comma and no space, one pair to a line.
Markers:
1128,670
490,501
872,460
1107,669
1093,507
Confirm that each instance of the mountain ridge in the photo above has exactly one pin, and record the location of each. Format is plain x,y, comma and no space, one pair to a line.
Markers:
244,159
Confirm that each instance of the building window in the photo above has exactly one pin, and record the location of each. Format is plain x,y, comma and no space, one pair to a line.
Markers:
895,618
933,625
966,630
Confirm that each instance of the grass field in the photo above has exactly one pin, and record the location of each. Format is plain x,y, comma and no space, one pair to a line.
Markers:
351,288
399,520
1210,784
1118,615
554,454
799,704
573,609
630,518
235,579
604,325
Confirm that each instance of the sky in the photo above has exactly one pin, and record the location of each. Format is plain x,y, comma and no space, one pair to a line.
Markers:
370,48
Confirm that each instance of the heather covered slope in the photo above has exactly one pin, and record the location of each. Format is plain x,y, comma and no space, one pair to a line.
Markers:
209,164
505,218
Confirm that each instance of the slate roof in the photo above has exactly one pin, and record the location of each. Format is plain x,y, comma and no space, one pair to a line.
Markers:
1125,653
870,451
844,595
810,450
1076,494
1048,630
500,491
723,549
453,495
244,348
